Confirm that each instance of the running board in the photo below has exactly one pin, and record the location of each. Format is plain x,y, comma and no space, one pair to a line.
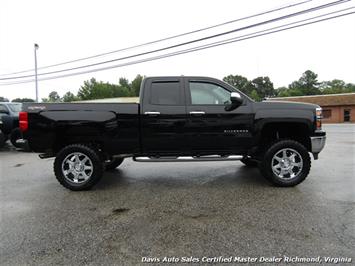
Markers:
208,158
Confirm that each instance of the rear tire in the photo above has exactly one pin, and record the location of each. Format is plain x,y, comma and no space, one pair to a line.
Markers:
113,164
286,163
15,135
78,167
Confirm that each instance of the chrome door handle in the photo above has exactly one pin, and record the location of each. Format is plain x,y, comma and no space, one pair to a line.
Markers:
197,113
152,113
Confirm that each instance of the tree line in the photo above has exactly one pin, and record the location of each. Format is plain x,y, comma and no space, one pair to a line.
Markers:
308,84
258,88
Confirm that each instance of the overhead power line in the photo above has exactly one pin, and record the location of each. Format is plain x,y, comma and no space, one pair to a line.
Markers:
309,10
164,39
232,40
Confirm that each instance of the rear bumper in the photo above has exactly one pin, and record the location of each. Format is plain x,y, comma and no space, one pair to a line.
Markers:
317,144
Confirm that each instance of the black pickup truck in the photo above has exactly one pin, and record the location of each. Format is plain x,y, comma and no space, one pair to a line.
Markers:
177,119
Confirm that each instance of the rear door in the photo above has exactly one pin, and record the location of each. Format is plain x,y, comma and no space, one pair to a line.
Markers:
210,128
163,116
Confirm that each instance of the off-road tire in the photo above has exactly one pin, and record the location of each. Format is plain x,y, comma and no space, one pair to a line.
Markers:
249,162
266,168
113,164
89,152
15,135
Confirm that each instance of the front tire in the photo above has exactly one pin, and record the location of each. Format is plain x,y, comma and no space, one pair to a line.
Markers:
78,167
286,163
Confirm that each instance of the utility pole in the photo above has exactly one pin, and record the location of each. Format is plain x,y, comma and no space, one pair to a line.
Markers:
36,48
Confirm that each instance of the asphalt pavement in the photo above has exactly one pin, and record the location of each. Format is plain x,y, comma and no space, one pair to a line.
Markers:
148,211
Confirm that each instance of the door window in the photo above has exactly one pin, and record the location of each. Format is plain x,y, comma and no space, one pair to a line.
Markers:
208,93
166,93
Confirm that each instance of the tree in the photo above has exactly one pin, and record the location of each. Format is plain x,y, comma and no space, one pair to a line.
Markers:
257,89
136,85
282,92
123,82
95,90
126,87
263,87
69,97
23,100
3,99
336,86
85,91
350,87
254,95
307,84
239,82
53,97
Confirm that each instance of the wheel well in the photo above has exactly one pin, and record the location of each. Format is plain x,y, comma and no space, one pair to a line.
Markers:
296,131
60,143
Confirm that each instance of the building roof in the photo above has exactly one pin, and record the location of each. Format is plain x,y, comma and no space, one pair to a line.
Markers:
322,100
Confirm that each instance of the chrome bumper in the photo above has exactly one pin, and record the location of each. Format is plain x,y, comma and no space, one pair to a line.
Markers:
317,144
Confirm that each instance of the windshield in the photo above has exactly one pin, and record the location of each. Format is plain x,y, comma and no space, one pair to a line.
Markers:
15,107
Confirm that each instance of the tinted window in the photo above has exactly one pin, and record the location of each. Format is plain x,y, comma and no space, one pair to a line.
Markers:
166,93
15,107
208,93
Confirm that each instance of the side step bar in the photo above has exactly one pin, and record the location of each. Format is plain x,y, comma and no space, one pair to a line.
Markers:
188,158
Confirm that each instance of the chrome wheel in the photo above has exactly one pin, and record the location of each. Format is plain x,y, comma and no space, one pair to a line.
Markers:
287,164
77,167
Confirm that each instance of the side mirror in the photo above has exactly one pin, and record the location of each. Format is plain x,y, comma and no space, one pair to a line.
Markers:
236,101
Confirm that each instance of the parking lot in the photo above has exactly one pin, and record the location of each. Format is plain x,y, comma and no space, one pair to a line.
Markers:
177,209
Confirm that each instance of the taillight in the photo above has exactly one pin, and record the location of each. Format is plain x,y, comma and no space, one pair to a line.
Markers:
23,121
319,118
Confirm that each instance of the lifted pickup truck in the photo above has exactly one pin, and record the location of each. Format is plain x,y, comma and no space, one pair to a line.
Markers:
177,118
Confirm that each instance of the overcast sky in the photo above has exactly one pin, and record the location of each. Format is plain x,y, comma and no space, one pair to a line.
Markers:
67,30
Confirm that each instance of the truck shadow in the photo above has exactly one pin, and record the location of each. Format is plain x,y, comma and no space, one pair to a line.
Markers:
190,176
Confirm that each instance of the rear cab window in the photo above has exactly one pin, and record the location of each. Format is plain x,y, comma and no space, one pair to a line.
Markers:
166,93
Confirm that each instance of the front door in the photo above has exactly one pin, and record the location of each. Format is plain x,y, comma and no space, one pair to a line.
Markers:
210,127
163,116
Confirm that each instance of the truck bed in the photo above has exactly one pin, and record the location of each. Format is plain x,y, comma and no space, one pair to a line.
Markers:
114,126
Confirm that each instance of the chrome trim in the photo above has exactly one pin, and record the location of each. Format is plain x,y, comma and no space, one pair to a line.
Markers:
235,95
188,158
197,113
152,113
77,168
21,141
317,143
287,164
